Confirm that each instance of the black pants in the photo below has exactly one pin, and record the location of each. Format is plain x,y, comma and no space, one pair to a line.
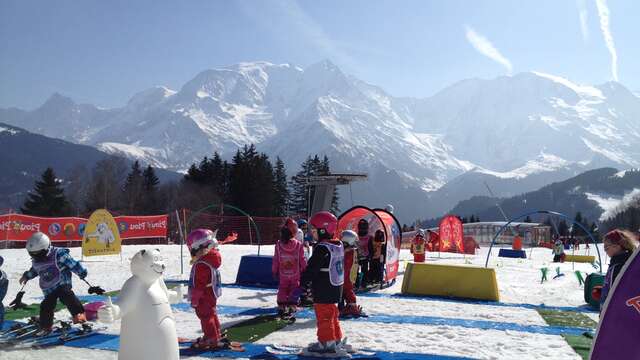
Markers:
376,270
48,305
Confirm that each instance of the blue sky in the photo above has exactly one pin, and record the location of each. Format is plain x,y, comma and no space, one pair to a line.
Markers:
102,52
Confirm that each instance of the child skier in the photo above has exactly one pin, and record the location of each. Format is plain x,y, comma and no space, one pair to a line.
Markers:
325,273
377,257
558,251
364,240
205,286
54,266
418,247
306,238
4,284
287,266
348,307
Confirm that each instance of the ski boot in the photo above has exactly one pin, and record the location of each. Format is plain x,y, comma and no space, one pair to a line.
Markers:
79,318
342,344
43,331
208,344
328,349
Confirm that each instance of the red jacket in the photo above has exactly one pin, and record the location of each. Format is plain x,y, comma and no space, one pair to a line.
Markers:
202,293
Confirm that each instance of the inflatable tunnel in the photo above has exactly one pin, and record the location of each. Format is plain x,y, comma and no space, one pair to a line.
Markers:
378,219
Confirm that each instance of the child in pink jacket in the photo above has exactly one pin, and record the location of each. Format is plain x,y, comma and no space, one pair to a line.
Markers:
288,265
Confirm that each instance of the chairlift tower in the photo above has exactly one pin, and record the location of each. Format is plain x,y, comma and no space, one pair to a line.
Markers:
324,186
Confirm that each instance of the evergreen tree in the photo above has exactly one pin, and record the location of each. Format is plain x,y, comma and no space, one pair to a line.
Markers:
133,190
563,228
152,203
48,198
281,192
300,191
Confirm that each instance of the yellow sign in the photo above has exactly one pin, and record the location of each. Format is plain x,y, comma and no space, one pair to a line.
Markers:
101,236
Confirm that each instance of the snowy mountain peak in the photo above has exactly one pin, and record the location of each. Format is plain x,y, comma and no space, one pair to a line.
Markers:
582,90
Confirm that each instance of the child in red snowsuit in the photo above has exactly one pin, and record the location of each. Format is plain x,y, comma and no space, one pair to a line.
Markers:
287,266
325,274
418,246
349,307
205,286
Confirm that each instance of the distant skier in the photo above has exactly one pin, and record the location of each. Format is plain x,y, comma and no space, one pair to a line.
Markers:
307,238
349,306
418,247
558,251
287,266
205,286
325,274
54,266
364,240
4,284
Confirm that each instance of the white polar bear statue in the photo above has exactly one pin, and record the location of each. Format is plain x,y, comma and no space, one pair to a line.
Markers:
103,234
148,329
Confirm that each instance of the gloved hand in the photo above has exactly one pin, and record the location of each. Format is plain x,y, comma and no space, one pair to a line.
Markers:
296,294
196,294
109,312
177,295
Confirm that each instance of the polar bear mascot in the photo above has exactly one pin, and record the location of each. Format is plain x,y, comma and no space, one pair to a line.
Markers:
103,234
148,329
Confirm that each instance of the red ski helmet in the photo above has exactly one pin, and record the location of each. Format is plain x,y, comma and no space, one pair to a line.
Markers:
324,221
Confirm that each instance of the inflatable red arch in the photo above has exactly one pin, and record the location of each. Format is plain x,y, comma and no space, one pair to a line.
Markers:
379,219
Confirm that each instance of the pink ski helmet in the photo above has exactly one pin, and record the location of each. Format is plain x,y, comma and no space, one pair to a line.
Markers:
200,238
324,221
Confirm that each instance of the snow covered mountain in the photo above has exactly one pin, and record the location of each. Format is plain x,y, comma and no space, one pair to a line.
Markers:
510,129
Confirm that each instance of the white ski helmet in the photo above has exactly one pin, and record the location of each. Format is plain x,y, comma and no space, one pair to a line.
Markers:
38,242
420,232
349,238
389,208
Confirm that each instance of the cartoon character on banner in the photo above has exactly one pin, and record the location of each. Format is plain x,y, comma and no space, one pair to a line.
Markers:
103,234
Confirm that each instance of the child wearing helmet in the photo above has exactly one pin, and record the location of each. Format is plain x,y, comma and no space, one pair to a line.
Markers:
54,267
418,247
348,305
287,266
4,284
376,249
205,286
325,274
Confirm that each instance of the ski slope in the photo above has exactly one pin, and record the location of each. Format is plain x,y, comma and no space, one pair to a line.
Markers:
509,330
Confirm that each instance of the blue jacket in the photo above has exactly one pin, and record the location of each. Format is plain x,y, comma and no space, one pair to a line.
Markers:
67,264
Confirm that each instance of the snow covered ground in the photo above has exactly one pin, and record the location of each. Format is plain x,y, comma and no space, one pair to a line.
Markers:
518,282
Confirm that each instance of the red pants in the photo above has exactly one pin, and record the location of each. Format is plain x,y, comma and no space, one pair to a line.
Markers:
347,291
418,257
327,322
209,321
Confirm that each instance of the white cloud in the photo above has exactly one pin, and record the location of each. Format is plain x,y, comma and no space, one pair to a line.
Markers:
584,17
486,48
603,13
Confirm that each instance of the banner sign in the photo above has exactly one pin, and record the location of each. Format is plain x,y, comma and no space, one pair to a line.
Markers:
451,234
18,227
101,235
618,331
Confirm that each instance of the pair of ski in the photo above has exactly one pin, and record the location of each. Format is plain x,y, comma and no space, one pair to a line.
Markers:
279,349
59,335
187,349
